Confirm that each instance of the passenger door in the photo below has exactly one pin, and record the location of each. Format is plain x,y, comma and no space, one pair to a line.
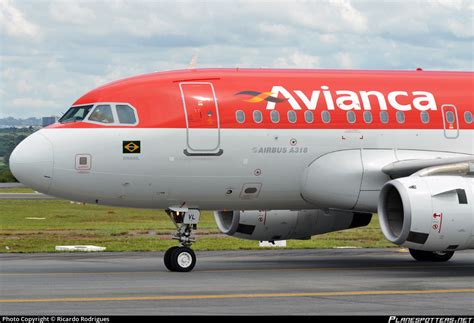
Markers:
202,118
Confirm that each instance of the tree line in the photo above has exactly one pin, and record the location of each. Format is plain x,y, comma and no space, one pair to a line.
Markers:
9,139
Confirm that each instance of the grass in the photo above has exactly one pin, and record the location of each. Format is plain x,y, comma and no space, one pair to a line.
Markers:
39,226
16,190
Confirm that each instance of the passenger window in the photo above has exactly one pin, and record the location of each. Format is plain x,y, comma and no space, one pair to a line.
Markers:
424,116
351,117
102,114
275,116
292,116
126,114
240,116
325,116
368,117
468,117
308,116
257,116
400,117
450,117
384,116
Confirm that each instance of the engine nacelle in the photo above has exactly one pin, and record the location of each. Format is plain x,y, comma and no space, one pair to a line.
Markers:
430,213
286,224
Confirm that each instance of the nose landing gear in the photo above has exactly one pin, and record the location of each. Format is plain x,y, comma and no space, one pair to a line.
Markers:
182,258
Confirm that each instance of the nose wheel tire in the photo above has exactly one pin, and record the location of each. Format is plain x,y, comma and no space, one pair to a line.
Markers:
167,258
435,256
180,259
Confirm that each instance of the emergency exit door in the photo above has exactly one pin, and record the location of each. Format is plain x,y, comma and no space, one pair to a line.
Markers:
450,121
202,118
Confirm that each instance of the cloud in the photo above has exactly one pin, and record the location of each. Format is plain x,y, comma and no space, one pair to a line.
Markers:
453,4
14,22
23,86
71,12
327,16
274,29
350,15
298,60
345,60
52,54
32,103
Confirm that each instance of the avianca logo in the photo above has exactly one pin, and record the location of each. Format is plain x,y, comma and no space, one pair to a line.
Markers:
345,99
260,96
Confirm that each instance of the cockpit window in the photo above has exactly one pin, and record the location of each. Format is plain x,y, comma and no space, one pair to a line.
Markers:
106,113
126,114
102,113
76,114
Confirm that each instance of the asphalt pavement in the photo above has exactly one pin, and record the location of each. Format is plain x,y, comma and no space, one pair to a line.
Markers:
302,282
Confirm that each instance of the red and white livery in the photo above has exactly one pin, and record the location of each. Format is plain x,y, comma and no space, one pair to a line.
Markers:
281,154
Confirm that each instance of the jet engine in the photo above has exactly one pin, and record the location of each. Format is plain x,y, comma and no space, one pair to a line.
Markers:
428,211
274,225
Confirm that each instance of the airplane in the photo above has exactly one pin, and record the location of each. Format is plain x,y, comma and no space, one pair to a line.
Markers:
277,154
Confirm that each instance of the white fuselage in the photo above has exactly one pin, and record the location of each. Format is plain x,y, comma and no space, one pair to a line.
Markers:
161,175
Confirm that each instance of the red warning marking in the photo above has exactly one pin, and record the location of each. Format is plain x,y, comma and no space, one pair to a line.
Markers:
437,221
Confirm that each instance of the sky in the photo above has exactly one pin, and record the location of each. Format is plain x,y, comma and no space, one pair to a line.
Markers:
52,52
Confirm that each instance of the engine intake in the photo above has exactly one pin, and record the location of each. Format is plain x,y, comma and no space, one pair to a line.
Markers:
429,213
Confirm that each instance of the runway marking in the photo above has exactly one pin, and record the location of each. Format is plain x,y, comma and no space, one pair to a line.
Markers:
230,296
242,270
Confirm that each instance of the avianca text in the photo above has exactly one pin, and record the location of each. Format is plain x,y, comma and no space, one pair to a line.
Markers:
351,100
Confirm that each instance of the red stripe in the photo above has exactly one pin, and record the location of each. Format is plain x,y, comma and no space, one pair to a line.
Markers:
158,100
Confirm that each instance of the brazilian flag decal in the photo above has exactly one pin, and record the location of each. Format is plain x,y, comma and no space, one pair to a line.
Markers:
131,147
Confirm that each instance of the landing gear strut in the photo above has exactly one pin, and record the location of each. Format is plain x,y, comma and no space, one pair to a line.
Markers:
182,258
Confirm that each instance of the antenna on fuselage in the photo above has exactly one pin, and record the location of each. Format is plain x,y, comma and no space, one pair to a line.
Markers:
193,62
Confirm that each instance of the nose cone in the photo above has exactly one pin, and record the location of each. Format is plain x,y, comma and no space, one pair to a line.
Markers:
32,162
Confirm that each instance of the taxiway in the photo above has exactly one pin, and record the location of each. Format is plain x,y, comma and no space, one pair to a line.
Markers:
319,282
